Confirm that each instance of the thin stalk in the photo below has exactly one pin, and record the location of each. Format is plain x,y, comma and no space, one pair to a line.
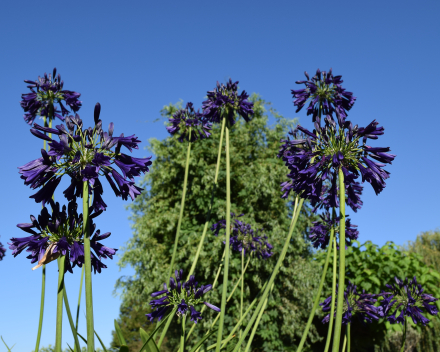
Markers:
402,348
79,304
88,270
69,315
228,234
182,206
60,291
332,310
242,287
254,330
275,271
341,286
213,286
348,337
345,343
208,217
182,334
167,325
43,282
318,294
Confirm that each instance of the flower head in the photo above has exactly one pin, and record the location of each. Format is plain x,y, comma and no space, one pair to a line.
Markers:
325,96
356,304
244,238
46,93
182,295
84,155
224,101
2,251
314,159
187,118
320,231
61,233
407,299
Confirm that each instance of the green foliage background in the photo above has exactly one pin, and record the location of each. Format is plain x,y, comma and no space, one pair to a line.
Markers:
256,174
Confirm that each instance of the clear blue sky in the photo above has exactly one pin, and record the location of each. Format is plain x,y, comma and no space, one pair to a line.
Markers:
136,56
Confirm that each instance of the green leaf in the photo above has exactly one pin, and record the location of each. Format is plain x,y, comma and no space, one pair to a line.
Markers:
198,344
70,348
123,348
82,338
119,333
100,341
150,345
375,279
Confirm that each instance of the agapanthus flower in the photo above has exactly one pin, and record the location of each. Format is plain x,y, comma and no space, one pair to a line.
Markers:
183,295
320,231
2,251
244,238
314,159
325,96
407,299
84,155
61,233
224,101
356,304
187,118
46,93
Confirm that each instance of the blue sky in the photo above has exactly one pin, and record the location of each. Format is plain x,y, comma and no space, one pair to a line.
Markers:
136,56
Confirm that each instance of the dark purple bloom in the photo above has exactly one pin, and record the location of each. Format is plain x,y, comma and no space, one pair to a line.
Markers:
325,96
357,304
84,155
187,118
224,102
314,159
407,299
244,238
2,251
180,294
45,93
60,233
320,231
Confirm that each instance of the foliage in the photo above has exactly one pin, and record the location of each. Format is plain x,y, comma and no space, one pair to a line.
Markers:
256,175
52,349
370,268
427,245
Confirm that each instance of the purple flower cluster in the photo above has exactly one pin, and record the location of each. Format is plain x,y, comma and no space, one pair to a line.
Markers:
314,158
84,155
224,102
325,96
356,304
2,251
180,294
45,93
319,232
61,233
407,299
187,118
243,237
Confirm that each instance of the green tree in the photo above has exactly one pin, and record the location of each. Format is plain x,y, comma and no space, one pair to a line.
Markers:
427,245
256,174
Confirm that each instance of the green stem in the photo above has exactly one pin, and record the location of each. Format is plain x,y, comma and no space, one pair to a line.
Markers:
88,270
332,310
341,286
402,348
79,304
60,290
43,281
318,294
208,217
345,343
69,315
254,330
167,325
228,233
182,334
242,287
275,271
213,286
348,337
182,206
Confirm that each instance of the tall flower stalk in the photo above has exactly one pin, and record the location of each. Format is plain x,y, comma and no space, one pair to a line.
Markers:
190,125
333,299
60,294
